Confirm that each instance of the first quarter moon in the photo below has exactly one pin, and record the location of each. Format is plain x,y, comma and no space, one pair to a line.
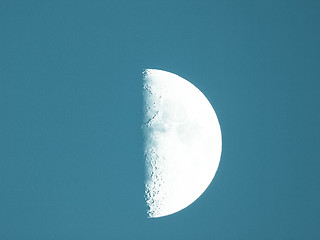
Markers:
182,142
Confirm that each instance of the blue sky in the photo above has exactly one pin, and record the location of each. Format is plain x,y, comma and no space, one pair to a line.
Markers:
71,164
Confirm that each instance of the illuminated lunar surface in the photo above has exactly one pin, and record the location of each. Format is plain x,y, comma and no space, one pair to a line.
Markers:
182,142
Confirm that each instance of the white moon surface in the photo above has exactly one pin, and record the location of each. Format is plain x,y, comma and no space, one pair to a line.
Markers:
182,142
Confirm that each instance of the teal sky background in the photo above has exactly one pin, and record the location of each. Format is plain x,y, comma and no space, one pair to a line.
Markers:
71,164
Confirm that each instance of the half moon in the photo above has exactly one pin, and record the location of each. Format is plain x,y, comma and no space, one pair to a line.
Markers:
182,142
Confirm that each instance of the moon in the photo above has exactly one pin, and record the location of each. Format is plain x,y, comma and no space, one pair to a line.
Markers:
182,142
